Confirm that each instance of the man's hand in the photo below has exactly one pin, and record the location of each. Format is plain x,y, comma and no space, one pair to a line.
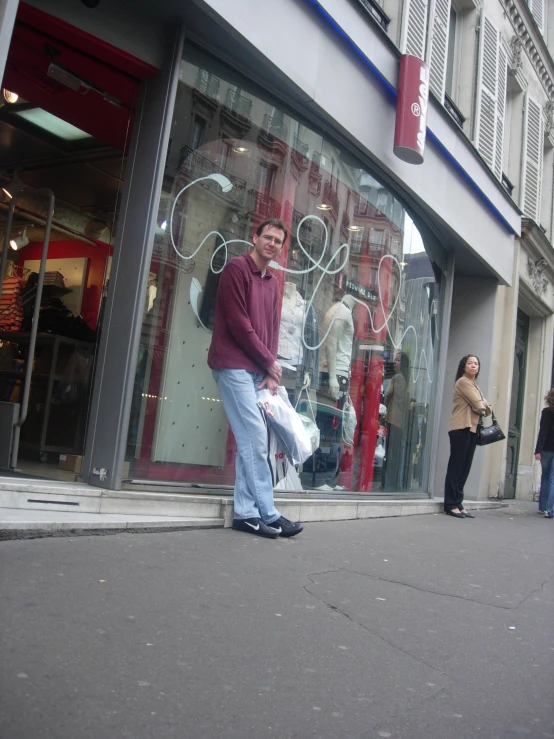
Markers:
270,384
538,457
275,371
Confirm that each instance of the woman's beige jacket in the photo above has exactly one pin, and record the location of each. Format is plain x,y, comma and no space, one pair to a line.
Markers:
469,405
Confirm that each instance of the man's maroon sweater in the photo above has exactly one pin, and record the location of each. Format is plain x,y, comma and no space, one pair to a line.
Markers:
246,322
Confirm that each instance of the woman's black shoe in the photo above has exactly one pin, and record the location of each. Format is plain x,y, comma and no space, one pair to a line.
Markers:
466,514
456,515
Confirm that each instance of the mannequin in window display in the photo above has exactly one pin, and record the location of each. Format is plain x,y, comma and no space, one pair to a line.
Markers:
335,366
290,332
302,362
397,404
337,349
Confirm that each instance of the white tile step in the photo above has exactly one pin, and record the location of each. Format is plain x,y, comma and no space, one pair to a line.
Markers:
17,519
69,498
74,501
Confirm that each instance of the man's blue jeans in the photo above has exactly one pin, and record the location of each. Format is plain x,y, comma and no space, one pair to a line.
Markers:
253,483
546,497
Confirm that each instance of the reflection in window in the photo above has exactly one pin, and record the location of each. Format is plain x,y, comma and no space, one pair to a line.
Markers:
197,133
358,338
357,241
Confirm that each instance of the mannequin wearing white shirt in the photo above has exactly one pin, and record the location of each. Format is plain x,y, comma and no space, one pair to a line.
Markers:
337,349
291,349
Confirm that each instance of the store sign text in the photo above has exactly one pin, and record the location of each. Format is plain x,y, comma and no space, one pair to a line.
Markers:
362,291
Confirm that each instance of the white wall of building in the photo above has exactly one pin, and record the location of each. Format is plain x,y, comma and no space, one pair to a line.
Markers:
334,84
472,330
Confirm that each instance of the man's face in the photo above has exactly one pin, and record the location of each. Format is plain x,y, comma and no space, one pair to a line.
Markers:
269,243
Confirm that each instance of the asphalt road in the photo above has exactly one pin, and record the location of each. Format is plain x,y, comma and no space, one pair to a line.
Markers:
414,627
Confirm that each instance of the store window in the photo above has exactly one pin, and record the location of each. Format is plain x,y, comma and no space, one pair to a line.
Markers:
358,339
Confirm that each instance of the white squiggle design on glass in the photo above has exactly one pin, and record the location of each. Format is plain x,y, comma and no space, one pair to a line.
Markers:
327,271
195,287
194,294
226,186
375,330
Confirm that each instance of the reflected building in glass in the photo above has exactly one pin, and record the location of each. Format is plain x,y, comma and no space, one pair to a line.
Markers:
357,309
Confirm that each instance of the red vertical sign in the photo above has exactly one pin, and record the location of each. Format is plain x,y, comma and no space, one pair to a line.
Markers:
411,109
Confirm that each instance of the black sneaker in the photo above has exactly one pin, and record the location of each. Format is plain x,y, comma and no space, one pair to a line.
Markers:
283,527
254,526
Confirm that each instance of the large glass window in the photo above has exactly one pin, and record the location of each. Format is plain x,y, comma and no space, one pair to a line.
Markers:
358,339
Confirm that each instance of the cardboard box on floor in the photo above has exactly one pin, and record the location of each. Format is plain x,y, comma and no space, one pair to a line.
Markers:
71,463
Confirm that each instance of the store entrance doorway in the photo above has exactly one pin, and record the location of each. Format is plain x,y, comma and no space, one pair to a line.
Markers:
66,112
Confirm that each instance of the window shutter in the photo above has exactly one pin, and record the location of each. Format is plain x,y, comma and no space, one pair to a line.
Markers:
437,46
500,109
491,96
537,11
414,30
533,134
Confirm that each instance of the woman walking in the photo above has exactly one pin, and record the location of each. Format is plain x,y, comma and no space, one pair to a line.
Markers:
469,407
544,451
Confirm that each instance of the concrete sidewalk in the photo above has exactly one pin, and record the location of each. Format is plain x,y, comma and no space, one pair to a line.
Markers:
412,627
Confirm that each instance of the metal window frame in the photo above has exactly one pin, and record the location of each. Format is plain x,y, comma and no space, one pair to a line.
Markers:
120,331
434,486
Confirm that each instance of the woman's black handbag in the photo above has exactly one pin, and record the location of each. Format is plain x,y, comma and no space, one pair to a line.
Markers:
489,434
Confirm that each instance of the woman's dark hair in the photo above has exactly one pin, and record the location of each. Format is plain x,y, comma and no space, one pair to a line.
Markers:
404,364
462,366
549,399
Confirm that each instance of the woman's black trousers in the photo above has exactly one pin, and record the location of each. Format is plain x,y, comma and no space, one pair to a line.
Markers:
462,449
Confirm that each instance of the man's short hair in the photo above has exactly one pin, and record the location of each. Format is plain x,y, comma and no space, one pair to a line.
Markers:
276,223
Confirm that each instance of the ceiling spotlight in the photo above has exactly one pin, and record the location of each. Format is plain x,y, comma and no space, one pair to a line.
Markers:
354,228
20,241
10,97
324,206
240,149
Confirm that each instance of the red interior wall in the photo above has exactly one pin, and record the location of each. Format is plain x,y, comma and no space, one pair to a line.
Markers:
96,256
104,66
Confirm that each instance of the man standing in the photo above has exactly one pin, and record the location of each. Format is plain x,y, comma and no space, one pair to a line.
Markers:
243,359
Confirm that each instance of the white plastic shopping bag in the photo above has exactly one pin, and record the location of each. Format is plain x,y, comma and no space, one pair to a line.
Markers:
287,425
307,416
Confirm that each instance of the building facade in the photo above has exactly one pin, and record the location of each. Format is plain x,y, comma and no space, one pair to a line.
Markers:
191,124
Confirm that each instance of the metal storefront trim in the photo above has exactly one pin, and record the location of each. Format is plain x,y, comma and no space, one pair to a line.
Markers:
117,360
8,12
445,308
184,488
